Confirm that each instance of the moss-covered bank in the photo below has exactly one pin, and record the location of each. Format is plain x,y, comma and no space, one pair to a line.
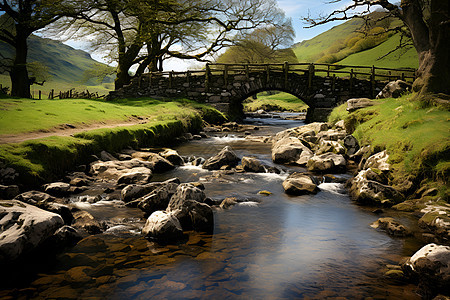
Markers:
415,133
44,160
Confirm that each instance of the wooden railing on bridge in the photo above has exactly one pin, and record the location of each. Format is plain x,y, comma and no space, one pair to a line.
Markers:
371,73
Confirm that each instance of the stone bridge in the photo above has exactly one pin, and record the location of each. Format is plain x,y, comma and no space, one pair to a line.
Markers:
225,86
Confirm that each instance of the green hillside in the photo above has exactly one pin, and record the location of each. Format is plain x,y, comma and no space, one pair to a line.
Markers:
65,65
399,59
307,51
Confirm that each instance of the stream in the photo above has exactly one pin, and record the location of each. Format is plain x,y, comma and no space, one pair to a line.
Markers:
266,247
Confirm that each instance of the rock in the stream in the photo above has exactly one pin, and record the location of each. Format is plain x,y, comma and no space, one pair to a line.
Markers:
8,192
394,89
332,135
300,184
34,197
158,164
391,226
330,146
185,191
228,202
157,199
65,236
134,191
85,221
327,163
436,219
139,175
106,156
24,227
172,156
368,191
431,266
57,188
163,227
290,150
114,169
251,164
226,157
358,103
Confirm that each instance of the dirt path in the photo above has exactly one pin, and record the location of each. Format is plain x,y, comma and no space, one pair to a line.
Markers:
68,130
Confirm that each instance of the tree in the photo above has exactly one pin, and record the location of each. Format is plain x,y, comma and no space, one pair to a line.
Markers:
143,33
24,18
427,24
263,45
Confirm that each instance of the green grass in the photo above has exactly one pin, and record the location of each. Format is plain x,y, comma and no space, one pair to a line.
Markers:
414,132
46,159
278,102
400,59
26,115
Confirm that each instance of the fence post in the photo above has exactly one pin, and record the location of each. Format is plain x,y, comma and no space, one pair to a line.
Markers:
310,74
286,72
225,76
372,81
247,72
351,79
333,83
403,76
267,73
328,71
207,71
40,94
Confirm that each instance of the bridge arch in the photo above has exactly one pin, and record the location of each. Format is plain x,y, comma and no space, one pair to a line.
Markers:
225,86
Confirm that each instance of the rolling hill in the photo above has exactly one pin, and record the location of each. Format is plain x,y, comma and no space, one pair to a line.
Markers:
335,43
65,64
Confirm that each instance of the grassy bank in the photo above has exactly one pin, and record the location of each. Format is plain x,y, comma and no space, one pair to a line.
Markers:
277,102
415,133
46,159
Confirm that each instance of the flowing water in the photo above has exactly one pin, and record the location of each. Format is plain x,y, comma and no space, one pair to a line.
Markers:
266,247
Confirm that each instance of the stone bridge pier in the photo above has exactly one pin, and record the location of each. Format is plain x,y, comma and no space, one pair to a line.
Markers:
226,87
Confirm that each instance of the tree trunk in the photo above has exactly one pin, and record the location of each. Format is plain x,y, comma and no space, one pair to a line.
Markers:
20,83
122,77
431,38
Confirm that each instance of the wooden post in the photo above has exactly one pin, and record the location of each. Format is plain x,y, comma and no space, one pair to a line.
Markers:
328,71
70,96
225,76
207,71
267,73
286,72
188,78
150,79
351,79
40,94
170,79
310,74
403,76
372,81
247,72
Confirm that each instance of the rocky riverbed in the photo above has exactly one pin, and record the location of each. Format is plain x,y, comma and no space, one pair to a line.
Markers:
104,215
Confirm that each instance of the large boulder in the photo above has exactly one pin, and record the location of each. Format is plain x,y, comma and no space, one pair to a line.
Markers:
300,184
325,146
327,163
184,192
436,219
358,103
24,227
85,221
226,157
394,89
366,191
431,266
163,227
35,197
157,199
194,215
290,150
172,156
251,164
332,135
57,188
